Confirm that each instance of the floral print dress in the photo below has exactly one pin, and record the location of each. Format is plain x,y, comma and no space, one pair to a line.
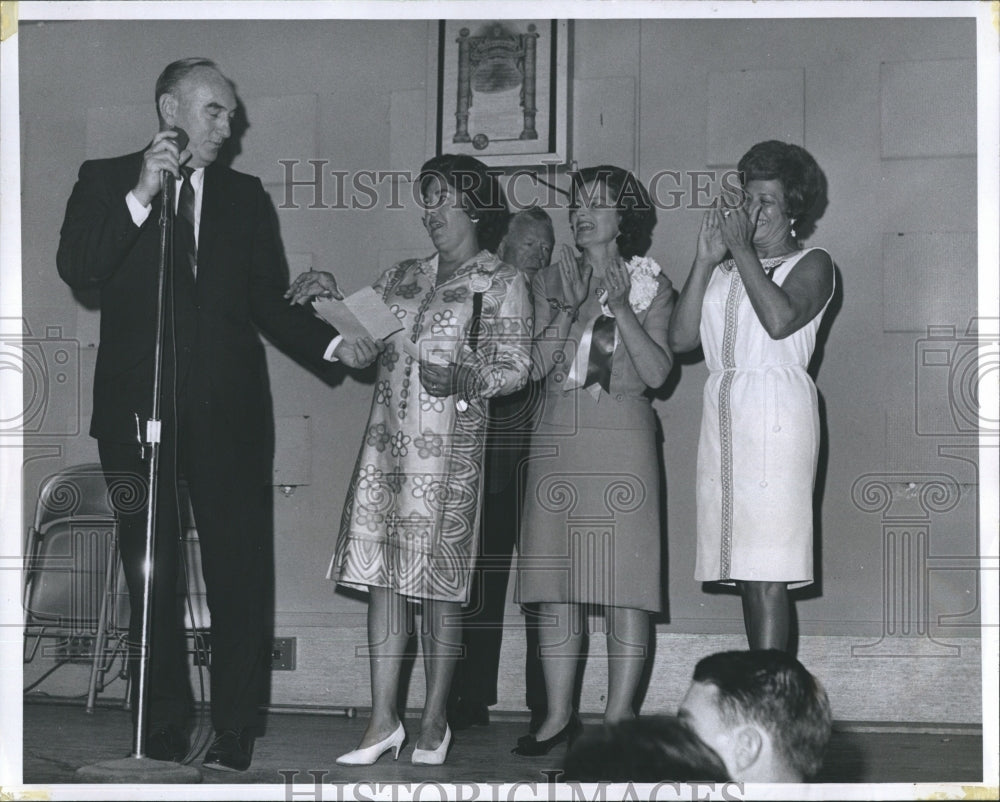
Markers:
411,518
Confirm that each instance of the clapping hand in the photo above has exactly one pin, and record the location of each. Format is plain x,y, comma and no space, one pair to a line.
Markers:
711,246
358,353
617,286
313,284
575,278
737,227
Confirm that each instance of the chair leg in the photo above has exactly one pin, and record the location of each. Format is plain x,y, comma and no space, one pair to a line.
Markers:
127,701
30,560
34,648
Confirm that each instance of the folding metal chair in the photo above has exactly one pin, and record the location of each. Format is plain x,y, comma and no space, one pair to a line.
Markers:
72,577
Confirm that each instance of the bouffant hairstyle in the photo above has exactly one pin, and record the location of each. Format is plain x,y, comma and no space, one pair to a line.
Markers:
801,177
478,190
637,217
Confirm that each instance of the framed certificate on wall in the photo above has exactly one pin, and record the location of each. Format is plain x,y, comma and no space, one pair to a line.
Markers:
498,90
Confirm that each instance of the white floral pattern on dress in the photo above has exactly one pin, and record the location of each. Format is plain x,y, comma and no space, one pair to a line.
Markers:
411,518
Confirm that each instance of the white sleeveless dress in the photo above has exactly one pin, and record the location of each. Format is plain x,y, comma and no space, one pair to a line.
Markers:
759,441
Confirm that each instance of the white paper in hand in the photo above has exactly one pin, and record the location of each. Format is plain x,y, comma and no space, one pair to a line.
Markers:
362,314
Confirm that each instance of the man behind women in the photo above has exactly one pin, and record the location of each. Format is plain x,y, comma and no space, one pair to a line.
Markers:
754,300
227,281
765,715
527,246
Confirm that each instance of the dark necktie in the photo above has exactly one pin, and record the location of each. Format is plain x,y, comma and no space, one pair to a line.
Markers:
602,348
185,249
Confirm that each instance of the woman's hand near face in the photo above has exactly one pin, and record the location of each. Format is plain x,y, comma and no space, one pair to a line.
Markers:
711,246
737,227
617,285
575,279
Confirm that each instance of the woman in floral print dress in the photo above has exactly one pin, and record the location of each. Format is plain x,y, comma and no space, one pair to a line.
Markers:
410,525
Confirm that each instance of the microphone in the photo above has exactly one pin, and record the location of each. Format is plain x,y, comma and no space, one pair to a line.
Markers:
181,139
166,177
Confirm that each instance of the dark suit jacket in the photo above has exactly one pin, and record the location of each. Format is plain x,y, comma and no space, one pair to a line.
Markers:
220,362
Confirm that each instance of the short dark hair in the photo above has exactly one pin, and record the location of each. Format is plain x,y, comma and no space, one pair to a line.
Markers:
772,689
479,190
649,749
801,178
635,209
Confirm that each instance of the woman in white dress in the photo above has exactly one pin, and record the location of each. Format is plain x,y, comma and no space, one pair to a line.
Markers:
754,300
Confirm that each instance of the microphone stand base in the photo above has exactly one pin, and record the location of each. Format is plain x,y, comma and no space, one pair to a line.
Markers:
138,770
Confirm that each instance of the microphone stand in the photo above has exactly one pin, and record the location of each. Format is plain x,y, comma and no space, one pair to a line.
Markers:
153,430
137,767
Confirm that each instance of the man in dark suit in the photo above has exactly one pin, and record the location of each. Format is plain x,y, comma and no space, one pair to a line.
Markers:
527,245
227,281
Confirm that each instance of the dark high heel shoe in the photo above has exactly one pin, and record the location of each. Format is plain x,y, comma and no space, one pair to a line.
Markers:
530,746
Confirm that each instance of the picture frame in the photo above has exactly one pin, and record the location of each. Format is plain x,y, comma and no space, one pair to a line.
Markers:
498,90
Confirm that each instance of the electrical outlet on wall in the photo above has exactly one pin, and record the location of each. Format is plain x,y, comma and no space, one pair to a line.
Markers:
283,654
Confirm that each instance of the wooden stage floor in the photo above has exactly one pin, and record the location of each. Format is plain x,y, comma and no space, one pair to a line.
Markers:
59,738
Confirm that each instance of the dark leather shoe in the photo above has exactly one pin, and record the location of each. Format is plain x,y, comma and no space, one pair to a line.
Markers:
538,716
166,742
465,715
530,746
232,750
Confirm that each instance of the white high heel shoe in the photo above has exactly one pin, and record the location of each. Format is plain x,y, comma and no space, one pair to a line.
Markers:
368,755
433,757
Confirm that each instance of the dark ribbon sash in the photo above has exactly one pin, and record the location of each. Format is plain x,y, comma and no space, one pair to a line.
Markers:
602,348
475,325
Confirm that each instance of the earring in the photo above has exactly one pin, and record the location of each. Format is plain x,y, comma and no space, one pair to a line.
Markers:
792,229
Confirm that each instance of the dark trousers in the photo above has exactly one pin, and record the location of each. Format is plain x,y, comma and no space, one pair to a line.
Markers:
476,675
232,513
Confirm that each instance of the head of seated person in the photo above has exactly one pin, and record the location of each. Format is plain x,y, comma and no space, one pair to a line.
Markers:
649,749
767,717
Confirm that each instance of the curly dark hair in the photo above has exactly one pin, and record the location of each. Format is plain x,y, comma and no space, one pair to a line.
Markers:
478,190
801,178
637,217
